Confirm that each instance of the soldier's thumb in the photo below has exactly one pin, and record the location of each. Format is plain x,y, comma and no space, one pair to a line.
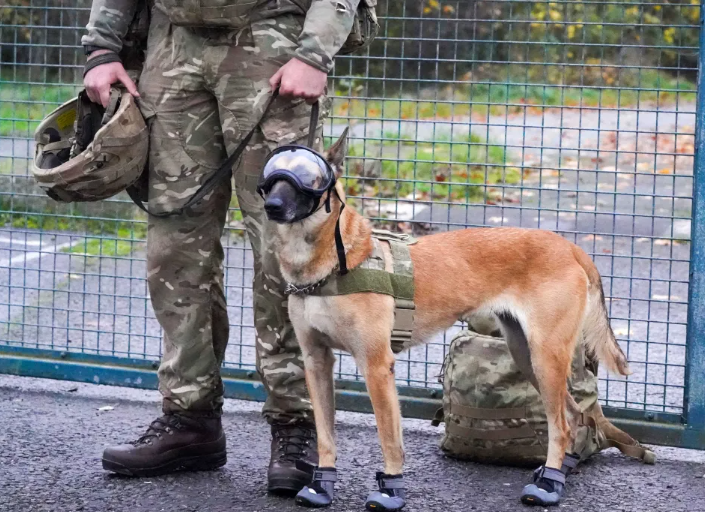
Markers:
128,83
276,78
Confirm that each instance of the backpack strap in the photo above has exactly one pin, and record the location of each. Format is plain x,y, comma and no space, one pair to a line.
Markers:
615,437
438,418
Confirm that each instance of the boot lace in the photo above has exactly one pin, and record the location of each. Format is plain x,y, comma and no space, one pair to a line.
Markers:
293,441
164,425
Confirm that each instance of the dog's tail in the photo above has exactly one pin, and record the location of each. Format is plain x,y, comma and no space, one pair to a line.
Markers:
598,336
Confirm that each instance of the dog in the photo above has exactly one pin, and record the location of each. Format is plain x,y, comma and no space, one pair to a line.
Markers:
545,291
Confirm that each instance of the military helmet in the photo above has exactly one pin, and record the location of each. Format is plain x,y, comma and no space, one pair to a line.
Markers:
87,153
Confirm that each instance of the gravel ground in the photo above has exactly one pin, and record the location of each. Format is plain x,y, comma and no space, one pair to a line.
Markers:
53,436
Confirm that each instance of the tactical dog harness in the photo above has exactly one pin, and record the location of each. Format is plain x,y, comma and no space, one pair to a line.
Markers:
372,277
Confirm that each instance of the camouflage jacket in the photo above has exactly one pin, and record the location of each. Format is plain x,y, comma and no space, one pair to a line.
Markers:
326,26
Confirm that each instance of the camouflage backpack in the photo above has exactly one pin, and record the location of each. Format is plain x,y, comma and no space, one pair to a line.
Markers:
494,415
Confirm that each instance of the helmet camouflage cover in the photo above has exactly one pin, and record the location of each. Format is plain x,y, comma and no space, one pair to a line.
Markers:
87,153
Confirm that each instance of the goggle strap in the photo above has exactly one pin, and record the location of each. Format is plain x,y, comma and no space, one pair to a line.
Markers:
328,202
339,247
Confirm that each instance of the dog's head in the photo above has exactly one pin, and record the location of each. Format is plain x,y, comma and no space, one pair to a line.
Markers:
284,202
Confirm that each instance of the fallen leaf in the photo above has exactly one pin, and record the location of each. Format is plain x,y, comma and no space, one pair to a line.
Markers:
665,170
665,297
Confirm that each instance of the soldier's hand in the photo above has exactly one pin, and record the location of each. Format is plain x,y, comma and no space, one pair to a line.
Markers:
99,79
299,80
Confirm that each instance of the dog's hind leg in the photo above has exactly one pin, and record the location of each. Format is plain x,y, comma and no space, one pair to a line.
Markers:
519,349
551,345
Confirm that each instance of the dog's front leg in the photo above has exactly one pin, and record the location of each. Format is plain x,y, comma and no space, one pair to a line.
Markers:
318,362
318,366
378,370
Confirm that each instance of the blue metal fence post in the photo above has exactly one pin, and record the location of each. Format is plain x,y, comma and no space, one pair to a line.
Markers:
694,406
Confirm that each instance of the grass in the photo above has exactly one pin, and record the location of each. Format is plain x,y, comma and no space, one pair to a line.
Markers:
102,237
23,106
453,170
121,246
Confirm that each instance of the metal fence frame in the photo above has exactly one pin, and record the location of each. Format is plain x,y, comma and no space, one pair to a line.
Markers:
686,429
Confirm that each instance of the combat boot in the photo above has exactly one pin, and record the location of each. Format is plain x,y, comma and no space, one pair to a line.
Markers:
172,443
292,443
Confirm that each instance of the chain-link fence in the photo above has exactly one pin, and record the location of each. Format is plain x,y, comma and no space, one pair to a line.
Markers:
577,117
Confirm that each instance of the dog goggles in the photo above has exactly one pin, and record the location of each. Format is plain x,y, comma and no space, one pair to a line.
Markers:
302,167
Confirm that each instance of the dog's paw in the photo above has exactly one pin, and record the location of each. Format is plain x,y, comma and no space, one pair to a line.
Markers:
381,501
319,493
547,488
389,497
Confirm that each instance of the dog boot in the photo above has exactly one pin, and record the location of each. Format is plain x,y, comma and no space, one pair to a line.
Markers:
319,493
547,488
570,462
390,495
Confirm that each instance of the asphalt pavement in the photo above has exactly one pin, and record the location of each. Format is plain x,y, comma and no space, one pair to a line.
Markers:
53,432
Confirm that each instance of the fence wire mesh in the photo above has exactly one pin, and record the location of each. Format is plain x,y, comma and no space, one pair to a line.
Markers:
577,117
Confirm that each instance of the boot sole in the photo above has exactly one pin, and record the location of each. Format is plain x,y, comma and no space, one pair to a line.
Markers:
285,486
199,463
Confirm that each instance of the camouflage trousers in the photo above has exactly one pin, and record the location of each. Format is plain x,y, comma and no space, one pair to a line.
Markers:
201,91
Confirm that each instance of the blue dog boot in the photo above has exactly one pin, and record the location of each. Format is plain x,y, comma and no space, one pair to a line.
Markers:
547,488
390,495
319,493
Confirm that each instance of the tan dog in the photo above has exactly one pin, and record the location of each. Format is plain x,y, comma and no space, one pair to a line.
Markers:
545,291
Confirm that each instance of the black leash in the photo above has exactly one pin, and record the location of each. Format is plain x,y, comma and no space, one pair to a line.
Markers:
224,171
312,124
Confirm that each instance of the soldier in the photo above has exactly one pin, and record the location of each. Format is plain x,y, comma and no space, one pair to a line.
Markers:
209,70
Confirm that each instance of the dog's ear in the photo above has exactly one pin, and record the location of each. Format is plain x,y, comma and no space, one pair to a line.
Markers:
337,152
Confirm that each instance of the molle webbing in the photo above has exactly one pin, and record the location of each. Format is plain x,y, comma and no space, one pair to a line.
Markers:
371,277
491,434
